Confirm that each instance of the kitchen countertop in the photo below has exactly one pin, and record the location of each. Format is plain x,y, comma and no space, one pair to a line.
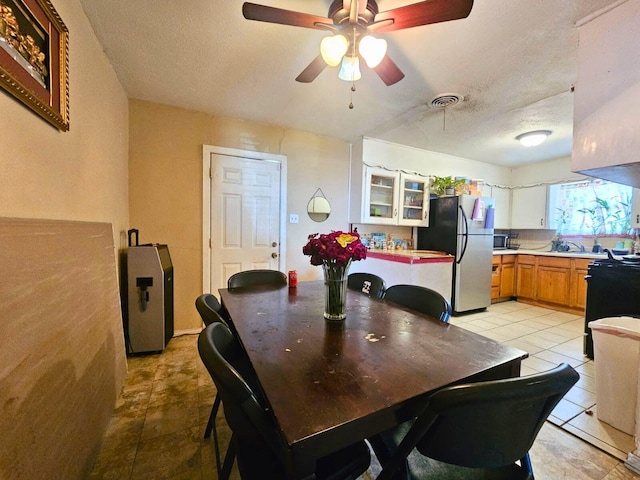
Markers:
413,257
544,253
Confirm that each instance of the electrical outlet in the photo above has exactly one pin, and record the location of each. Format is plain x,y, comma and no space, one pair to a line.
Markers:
293,218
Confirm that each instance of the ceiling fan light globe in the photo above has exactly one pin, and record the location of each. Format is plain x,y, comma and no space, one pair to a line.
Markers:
350,69
372,50
333,49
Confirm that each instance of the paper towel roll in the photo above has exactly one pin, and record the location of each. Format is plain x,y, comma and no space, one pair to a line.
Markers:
478,210
489,217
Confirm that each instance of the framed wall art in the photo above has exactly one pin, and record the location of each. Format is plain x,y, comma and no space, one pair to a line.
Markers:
34,58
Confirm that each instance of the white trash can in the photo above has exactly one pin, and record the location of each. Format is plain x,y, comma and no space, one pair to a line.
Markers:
616,343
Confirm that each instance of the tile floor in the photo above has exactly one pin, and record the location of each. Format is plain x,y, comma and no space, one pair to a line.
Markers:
157,426
553,337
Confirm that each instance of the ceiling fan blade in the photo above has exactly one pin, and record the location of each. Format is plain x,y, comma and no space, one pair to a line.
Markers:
388,71
424,13
314,69
263,13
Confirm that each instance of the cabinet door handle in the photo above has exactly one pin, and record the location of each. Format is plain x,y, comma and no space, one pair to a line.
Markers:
637,218
541,220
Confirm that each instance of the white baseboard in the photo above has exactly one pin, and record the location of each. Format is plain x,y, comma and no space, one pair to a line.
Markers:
633,462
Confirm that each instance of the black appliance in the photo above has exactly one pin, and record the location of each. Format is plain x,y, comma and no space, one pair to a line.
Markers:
149,292
613,290
458,225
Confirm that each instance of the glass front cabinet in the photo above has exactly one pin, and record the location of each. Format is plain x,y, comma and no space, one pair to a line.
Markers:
395,198
414,200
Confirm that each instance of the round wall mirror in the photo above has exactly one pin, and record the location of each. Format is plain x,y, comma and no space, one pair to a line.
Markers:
318,209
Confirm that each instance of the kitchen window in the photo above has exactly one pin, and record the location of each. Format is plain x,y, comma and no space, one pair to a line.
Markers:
590,208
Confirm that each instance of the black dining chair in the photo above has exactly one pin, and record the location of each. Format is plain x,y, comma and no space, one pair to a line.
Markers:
475,431
256,443
211,311
248,278
420,299
367,283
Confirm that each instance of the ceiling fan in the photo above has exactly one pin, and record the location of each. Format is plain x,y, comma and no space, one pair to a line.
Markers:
352,23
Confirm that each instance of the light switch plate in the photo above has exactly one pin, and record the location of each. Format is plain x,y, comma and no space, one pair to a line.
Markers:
293,218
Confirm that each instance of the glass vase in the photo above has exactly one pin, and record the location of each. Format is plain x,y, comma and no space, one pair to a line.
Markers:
335,297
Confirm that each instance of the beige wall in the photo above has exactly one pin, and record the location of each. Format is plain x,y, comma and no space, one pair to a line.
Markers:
165,186
551,171
78,175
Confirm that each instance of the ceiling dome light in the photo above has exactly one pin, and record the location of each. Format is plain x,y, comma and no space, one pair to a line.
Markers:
333,49
372,50
350,69
531,139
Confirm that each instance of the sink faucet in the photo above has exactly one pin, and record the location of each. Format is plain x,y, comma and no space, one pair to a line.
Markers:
579,247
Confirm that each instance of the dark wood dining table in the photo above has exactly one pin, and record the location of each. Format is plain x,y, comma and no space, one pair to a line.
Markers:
332,384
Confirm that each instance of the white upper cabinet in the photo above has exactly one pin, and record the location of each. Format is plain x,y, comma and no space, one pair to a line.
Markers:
529,207
414,200
502,206
393,198
382,194
380,200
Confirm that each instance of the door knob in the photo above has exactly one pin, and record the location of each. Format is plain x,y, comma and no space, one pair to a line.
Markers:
274,255
274,244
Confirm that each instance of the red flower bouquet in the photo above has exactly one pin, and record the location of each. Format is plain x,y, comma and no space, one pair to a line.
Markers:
337,248
335,251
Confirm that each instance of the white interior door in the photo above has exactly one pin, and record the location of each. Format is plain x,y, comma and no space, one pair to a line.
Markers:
245,216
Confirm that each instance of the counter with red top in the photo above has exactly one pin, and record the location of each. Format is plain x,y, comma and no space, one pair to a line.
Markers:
426,268
413,257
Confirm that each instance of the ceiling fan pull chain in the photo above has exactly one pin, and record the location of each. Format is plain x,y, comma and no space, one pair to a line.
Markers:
353,89
353,79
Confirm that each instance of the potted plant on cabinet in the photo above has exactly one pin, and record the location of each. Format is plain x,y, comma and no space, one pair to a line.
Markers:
445,185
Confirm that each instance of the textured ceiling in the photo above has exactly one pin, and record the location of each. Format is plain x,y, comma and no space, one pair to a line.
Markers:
514,61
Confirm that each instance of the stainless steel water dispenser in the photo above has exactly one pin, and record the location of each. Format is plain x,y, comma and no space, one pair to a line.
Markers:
149,325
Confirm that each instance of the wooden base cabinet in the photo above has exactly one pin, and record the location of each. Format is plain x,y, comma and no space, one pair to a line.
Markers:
578,288
552,281
503,277
508,276
526,277
495,277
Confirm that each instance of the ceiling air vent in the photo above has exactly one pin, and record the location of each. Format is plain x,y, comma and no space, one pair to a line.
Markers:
446,100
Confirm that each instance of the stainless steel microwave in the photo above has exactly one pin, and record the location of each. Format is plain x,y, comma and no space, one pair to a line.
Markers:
500,241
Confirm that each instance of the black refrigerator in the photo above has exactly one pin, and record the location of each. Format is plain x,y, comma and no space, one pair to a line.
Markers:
462,226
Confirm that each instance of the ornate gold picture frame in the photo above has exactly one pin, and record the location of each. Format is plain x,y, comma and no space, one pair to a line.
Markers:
34,58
